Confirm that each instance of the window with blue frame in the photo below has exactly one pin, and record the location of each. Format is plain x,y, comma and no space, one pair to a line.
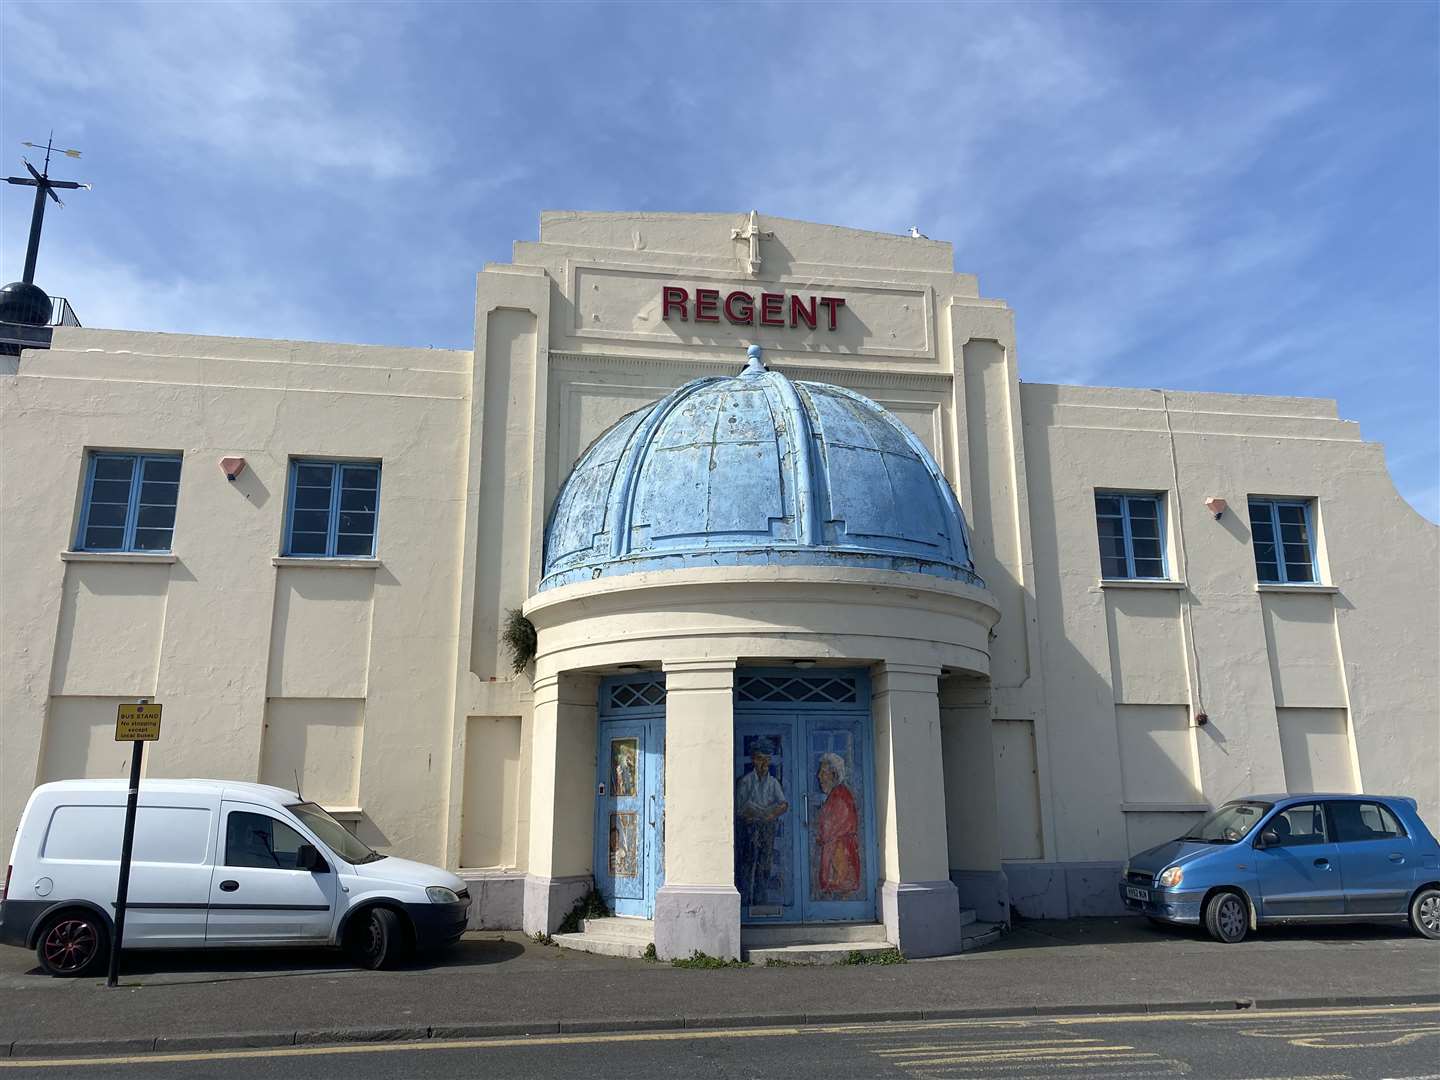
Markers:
1281,534
129,502
334,509
1132,534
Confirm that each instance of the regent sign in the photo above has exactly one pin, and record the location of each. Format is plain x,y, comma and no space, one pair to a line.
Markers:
741,308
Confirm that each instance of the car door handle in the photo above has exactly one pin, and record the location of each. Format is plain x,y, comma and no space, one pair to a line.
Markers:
229,885
1324,864
1397,857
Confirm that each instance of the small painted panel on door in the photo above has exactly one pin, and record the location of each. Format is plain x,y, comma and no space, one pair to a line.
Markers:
764,845
624,846
623,768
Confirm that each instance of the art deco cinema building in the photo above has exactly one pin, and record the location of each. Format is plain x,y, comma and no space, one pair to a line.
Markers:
836,621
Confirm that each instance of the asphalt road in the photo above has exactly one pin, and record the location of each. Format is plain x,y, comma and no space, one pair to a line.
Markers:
1305,1044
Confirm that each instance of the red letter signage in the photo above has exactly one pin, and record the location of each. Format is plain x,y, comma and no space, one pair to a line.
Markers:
672,296
739,306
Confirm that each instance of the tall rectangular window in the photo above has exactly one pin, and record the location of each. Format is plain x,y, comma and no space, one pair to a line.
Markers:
129,502
1132,534
334,506
1280,534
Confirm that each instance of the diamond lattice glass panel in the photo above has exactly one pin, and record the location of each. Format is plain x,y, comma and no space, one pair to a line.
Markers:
637,695
792,689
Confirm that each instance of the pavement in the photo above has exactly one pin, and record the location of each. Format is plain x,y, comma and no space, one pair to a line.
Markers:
501,984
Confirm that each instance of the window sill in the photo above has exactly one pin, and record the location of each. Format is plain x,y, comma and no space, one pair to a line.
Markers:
1140,583
323,563
346,815
1275,586
1164,808
154,558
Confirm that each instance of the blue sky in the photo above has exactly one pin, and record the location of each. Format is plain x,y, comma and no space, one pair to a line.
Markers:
1218,197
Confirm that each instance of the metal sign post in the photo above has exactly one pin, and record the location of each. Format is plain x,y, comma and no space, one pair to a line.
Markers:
137,724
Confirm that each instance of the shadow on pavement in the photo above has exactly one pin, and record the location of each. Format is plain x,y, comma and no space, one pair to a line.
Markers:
225,965
1049,934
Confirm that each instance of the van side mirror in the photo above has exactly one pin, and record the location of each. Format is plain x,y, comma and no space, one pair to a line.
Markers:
1269,838
307,858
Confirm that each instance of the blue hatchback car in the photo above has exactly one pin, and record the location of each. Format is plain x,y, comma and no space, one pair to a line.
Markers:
1293,858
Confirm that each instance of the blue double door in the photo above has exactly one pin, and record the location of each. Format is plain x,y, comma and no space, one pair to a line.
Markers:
804,825
630,814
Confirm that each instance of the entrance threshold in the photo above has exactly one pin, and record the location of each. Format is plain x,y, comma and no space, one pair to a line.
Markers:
616,935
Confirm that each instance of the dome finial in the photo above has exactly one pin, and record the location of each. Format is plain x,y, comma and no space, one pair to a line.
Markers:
754,365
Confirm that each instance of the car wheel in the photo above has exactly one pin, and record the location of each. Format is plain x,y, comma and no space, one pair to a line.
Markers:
378,939
1425,913
1227,917
71,944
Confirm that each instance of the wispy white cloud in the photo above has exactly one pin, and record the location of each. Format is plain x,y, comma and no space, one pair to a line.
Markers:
284,86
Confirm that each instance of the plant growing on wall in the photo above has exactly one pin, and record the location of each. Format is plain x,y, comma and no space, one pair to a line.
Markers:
518,637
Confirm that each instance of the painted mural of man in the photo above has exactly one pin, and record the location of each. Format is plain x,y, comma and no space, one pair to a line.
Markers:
837,832
759,804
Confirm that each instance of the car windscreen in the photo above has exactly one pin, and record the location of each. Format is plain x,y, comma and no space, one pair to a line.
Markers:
1230,823
340,839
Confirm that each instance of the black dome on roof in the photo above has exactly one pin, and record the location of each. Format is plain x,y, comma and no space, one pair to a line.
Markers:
24,303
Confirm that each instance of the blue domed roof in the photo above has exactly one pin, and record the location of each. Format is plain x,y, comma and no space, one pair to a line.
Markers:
755,470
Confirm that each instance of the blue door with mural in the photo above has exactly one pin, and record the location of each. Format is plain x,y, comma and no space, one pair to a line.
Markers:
804,823
630,794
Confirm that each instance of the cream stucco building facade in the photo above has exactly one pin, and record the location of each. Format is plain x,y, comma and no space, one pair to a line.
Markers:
862,629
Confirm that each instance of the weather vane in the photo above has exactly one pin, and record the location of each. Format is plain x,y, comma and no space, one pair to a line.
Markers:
43,185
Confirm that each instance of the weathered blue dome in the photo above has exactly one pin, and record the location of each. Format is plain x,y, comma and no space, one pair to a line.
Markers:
756,470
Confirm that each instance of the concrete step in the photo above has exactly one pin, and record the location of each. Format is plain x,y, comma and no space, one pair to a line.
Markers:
768,937
815,953
602,945
977,935
630,929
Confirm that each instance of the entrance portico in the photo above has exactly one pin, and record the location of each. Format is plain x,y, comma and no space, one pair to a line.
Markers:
764,583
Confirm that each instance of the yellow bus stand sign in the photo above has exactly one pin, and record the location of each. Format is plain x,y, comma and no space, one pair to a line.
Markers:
137,723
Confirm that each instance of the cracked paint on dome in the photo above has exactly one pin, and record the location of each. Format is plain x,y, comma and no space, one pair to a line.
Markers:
756,470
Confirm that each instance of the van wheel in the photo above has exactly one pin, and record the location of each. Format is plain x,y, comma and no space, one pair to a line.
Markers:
71,944
1425,913
1227,918
378,939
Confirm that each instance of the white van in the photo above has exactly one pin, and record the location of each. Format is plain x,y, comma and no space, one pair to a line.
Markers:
215,863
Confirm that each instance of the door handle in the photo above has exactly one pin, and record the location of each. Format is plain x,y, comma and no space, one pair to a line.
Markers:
652,811
1396,857
229,885
805,803
1324,864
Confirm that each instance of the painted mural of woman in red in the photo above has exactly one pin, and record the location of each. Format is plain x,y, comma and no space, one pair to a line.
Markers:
837,832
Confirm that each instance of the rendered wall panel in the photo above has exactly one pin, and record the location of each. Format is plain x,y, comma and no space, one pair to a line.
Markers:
1157,754
1017,780
80,740
1147,651
492,791
1315,744
1304,650
318,741
111,619
320,637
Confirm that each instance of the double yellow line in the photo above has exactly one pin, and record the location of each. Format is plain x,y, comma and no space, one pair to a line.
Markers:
701,1034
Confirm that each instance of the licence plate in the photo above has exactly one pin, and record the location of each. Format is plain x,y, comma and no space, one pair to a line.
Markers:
1137,894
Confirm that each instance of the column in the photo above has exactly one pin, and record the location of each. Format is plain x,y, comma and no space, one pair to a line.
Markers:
562,804
918,902
698,907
